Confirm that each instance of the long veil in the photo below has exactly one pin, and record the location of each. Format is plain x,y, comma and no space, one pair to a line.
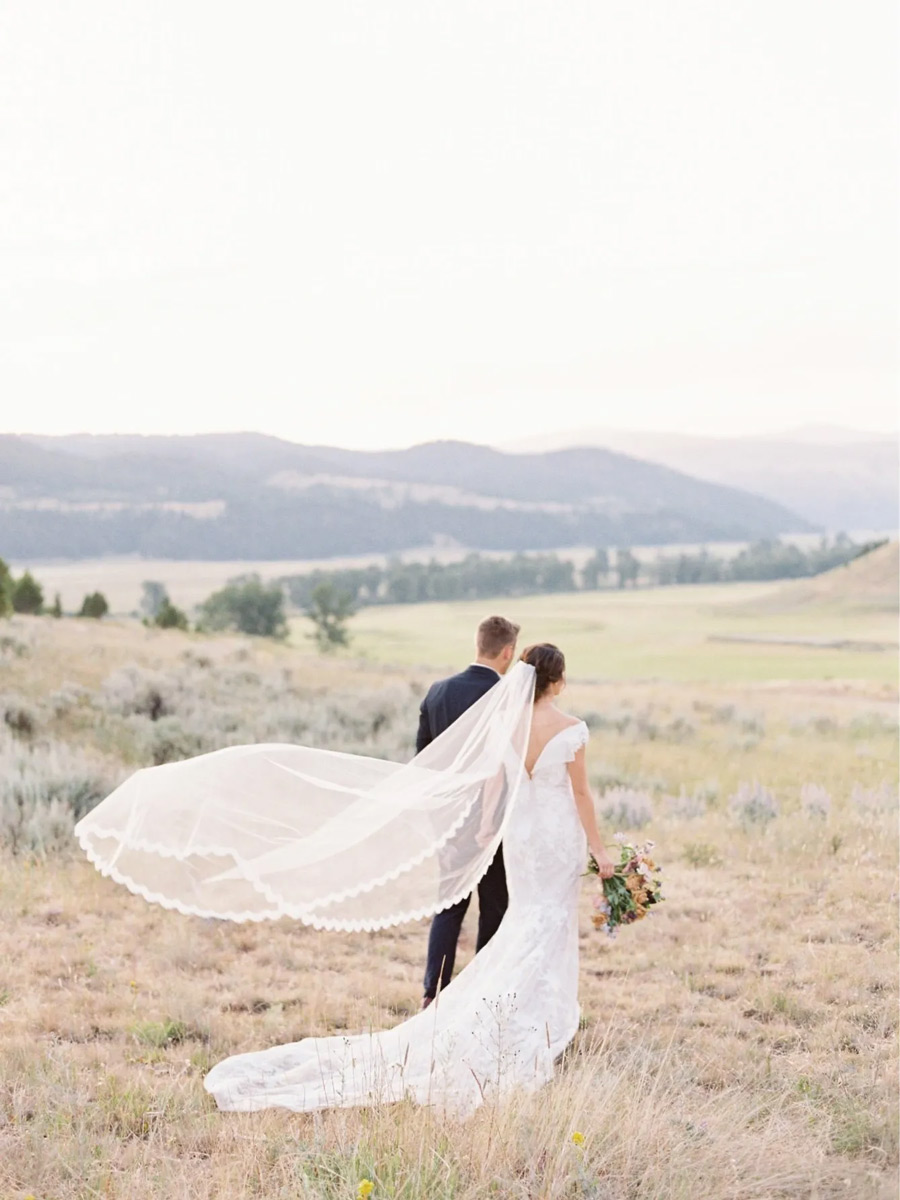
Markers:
338,841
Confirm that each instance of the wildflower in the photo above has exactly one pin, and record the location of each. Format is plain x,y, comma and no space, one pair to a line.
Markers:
578,1138
366,1188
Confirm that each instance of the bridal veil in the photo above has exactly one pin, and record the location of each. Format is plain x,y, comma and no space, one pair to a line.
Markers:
338,841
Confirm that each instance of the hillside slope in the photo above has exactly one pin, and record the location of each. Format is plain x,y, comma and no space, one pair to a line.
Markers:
248,496
836,479
872,581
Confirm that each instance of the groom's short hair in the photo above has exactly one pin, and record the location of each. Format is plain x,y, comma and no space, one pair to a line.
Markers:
494,633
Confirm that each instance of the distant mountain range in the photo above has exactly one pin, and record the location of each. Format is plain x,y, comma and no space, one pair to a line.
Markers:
248,496
836,478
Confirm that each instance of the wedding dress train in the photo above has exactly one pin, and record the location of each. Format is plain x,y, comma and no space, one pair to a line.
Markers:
499,1025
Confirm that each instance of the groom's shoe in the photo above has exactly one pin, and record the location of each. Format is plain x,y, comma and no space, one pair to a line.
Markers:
426,1000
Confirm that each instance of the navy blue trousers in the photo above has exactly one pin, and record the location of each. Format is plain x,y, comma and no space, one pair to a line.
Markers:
493,900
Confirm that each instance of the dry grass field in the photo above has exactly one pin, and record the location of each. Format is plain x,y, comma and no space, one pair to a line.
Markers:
740,1043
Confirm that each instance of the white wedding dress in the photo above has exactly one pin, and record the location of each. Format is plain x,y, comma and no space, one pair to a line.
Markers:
501,1023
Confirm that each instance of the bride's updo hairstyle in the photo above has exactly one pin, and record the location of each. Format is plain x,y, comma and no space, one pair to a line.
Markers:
549,664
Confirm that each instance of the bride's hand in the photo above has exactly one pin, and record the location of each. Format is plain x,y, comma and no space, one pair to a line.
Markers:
606,868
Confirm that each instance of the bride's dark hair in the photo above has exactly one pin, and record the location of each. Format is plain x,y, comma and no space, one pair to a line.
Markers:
549,664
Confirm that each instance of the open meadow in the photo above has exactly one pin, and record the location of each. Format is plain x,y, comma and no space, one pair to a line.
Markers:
740,1043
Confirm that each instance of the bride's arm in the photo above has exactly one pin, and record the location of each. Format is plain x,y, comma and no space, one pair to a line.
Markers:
584,803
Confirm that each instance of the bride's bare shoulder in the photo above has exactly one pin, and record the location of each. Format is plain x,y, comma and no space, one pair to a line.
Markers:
569,720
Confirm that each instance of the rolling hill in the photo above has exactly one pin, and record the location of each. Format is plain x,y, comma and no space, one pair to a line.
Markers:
870,582
249,496
836,478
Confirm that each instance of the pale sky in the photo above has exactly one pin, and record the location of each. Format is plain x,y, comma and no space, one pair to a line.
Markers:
373,224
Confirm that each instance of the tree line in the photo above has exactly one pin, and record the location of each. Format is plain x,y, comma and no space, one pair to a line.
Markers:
25,595
330,598
477,577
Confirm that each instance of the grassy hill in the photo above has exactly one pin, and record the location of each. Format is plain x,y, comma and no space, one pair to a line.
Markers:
246,496
870,582
709,633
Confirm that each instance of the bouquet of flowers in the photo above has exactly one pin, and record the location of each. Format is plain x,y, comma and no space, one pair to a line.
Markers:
627,895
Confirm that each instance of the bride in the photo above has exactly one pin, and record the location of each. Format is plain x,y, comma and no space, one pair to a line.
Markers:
344,842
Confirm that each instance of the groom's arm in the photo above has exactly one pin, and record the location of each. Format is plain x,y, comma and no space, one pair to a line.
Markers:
424,736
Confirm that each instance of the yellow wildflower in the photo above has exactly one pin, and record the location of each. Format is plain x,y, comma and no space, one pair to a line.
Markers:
578,1138
366,1188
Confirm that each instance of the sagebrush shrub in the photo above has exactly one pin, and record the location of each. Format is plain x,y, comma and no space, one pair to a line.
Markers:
626,808
135,690
44,790
874,799
753,805
19,716
12,646
686,806
814,800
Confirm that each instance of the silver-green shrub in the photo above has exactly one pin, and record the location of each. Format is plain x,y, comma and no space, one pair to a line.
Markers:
815,800
753,805
626,808
44,790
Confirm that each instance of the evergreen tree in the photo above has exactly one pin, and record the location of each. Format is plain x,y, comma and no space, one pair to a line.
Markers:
170,617
56,609
94,605
6,587
627,567
595,569
27,595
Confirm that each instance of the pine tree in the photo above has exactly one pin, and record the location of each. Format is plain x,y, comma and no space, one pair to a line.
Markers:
27,595
94,605
6,586
170,617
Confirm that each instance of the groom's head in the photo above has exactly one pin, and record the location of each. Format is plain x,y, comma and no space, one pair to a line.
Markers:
495,643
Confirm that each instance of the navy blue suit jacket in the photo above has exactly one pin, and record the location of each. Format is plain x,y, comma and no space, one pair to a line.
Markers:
448,699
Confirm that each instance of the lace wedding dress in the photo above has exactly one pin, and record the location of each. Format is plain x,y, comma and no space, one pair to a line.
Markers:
501,1023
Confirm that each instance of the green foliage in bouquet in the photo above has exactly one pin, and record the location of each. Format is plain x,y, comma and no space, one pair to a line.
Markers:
629,893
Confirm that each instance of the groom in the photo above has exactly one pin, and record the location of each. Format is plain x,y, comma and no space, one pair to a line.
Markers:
495,647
